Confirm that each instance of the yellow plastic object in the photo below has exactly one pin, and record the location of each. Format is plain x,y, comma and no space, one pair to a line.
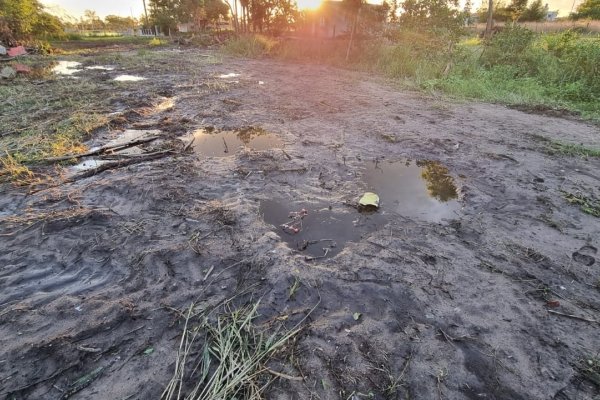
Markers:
369,199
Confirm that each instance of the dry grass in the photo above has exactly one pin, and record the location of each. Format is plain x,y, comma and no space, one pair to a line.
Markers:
553,27
226,358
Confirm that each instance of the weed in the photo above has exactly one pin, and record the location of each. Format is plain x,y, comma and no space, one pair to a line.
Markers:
157,42
590,369
13,170
250,45
389,137
586,204
573,150
294,288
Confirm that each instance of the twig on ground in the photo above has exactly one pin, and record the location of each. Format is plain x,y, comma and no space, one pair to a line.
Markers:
573,316
104,149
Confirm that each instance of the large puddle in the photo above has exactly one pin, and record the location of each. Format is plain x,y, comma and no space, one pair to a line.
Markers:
318,230
420,189
227,143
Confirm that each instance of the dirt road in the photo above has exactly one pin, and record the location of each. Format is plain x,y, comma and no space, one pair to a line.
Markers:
467,296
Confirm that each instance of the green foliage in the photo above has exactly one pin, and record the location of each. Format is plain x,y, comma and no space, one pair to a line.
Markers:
588,9
202,12
535,12
26,19
516,10
437,16
250,45
509,47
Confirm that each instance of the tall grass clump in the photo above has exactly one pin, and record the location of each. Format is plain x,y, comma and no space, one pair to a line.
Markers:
250,45
226,357
518,66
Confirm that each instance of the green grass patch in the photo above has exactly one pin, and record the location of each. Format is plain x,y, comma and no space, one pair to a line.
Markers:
574,150
588,205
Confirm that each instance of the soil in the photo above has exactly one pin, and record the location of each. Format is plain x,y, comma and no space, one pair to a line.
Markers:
474,305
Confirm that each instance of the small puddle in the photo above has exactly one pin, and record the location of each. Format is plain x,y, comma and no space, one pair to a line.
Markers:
124,137
101,68
66,67
87,164
227,143
129,78
419,189
318,230
229,75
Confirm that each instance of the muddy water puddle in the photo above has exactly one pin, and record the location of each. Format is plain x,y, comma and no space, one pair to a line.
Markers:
123,137
419,189
318,230
129,78
66,67
226,143
72,67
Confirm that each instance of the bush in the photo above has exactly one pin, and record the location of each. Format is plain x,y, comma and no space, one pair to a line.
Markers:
250,45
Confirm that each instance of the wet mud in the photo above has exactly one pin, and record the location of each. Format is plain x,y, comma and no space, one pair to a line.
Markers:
475,278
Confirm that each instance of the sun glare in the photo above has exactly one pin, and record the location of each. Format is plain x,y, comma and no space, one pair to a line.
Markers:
308,4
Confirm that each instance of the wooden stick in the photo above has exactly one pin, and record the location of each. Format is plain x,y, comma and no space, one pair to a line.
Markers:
100,150
573,316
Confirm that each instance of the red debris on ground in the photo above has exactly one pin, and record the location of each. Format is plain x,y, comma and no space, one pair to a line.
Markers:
21,68
16,51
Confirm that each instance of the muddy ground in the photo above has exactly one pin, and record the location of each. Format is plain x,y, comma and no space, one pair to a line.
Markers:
94,269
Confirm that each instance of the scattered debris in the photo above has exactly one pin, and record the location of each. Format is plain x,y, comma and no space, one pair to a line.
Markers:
2,50
295,225
553,303
8,73
16,51
369,199
22,68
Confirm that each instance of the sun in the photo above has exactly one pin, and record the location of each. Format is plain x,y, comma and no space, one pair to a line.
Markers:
304,5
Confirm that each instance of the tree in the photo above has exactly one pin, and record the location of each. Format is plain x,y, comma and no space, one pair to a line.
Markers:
588,9
535,12
516,8
165,13
26,19
114,22
202,12
433,16
91,20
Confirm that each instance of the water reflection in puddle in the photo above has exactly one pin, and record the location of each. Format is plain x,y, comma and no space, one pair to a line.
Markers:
229,75
129,78
419,189
318,230
227,143
66,67
100,68
87,164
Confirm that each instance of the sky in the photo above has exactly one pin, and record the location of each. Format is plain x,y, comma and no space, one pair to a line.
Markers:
126,8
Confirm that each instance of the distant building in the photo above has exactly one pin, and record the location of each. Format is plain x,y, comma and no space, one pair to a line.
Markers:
551,15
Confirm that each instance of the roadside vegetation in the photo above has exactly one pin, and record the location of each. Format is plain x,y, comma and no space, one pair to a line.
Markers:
516,67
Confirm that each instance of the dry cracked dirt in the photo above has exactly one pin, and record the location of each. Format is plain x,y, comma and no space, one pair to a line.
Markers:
476,278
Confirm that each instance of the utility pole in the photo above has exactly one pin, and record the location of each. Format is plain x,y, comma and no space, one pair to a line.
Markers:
145,12
490,20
